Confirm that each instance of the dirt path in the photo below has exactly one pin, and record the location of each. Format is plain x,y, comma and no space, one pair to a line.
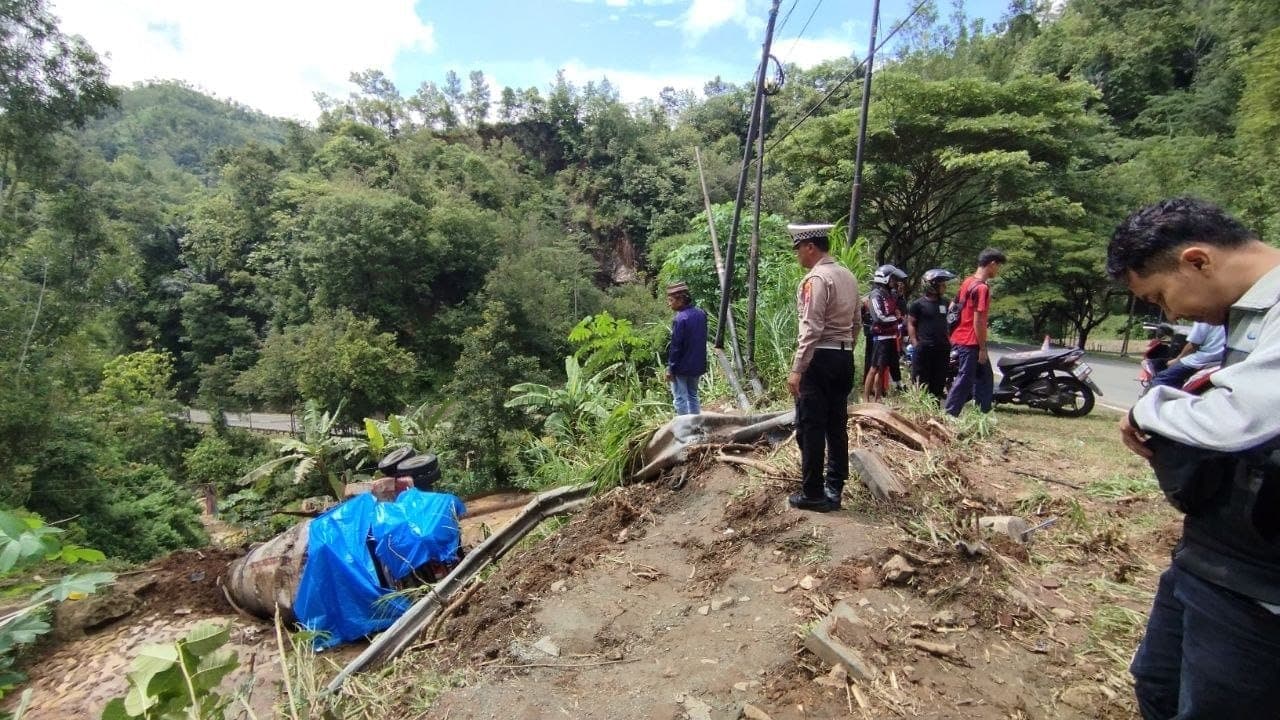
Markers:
666,604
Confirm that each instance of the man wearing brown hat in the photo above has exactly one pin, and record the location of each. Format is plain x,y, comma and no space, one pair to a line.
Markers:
822,373
687,355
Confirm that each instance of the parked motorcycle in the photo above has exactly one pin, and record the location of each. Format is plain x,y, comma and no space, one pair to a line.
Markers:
1165,343
1054,380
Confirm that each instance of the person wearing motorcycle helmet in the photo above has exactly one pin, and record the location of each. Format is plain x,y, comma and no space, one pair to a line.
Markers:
885,315
927,332
899,286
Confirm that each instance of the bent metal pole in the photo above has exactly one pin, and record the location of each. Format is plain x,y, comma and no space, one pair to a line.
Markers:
715,249
856,197
726,284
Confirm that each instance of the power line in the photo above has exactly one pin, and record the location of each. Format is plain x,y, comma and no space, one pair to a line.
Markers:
902,23
787,17
803,28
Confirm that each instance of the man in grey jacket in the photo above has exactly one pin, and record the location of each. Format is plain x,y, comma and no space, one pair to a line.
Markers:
1212,646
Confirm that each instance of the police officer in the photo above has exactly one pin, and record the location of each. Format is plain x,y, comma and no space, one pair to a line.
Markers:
822,372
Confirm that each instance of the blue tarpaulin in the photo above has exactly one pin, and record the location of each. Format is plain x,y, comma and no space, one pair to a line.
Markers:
340,594
418,528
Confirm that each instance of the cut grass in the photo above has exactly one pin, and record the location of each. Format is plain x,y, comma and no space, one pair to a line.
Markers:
1122,485
809,549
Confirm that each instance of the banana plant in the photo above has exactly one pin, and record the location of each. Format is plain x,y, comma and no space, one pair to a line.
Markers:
571,410
420,429
316,454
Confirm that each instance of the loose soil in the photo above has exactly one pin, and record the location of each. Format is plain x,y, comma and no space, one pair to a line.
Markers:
683,603
76,677
687,603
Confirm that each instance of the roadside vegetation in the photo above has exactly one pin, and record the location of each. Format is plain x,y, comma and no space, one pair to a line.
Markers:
473,273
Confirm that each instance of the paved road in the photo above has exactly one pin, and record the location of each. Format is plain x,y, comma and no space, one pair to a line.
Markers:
274,422
1117,378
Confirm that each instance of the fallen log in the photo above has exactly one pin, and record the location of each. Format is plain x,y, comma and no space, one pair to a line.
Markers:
895,423
877,476
763,467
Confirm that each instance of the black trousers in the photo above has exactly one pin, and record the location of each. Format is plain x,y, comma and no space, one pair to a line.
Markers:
868,342
929,368
822,416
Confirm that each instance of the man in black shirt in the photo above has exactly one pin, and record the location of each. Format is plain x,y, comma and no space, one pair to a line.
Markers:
929,335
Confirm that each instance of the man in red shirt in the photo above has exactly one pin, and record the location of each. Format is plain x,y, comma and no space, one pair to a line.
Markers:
974,378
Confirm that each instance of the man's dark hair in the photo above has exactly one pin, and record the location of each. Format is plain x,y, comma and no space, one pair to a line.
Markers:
1148,239
990,255
823,242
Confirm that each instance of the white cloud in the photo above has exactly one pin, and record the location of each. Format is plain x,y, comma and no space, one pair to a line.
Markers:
807,52
268,54
703,16
631,85
617,3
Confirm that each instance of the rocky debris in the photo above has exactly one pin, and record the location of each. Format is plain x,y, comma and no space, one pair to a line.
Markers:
548,646
830,639
1084,697
559,586
809,582
837,678
786,586
72,618
1063,614
1014,528
705,609
695,708
896,570
721,603
945,619
751,712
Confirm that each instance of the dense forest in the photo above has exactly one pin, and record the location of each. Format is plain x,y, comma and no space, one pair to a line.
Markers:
473,269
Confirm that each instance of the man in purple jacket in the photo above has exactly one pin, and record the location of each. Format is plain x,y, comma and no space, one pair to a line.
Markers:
687,356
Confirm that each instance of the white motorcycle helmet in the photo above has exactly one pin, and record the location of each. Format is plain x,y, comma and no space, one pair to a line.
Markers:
885,273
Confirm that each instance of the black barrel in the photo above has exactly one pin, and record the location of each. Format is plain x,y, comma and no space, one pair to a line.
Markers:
424,469
390,463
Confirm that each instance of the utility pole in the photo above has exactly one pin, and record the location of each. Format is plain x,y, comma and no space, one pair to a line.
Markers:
753,270
1128,326
726,284
856,198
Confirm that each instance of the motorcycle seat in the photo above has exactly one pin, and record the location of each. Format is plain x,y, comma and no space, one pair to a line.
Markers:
1031,356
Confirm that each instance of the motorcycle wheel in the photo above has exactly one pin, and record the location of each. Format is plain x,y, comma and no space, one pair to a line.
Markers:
1078,391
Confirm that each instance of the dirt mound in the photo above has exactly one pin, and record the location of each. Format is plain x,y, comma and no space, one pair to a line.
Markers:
480,628
186,580
678,602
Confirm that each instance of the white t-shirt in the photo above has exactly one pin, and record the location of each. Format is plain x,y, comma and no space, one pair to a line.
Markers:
1211,339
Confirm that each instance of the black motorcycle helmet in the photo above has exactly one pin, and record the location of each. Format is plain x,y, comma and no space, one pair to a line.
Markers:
938,277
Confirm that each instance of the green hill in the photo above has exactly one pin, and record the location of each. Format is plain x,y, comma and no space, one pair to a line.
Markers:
171,119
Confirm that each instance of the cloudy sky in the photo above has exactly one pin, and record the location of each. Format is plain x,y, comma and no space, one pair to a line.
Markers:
275,54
